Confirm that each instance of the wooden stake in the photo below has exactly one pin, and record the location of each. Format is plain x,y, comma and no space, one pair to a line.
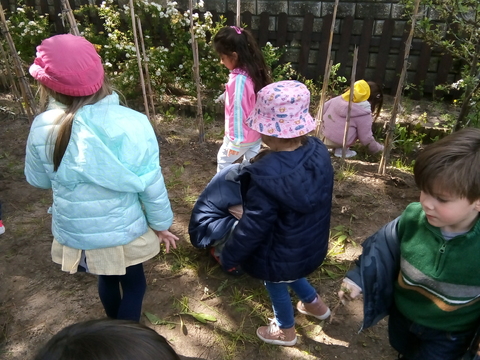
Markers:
326,76
391,124
350,101
196,76
145,66
26,92
237,22
67,11
139,61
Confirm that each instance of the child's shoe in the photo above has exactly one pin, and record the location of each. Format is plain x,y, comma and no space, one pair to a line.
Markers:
348,153
316,308
272,334
2,228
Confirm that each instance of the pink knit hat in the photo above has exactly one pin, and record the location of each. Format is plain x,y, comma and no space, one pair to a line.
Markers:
282,110
69,65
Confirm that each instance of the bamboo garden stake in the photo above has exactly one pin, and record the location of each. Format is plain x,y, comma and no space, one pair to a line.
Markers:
196,76
326,76
26,92
237,22
139,61
68,13
350,100
145,65
391,124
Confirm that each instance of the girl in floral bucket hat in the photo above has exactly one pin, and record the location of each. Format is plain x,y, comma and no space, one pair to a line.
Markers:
282,235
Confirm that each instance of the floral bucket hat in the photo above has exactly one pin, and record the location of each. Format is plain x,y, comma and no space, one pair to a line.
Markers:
281,110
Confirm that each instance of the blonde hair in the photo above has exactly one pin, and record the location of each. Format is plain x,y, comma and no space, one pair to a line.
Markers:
73,104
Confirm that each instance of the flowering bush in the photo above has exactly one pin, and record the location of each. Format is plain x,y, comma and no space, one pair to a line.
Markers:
167,42
28,29
167,45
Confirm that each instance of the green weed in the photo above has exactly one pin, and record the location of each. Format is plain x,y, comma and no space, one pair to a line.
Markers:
183,258
347,171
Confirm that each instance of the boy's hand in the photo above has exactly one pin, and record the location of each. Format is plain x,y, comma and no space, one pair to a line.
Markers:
168,238
349,290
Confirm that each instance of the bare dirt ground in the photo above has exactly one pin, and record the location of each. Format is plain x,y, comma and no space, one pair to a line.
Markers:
37,299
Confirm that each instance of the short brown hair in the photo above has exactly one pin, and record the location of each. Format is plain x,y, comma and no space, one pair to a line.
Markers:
451,165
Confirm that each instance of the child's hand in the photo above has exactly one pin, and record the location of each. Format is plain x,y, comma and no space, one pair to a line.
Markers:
349,290
220,98
168,238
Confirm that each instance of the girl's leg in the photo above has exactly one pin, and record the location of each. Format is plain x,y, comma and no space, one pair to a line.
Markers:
109,292
251,152
304,290
128,306
310,302
281,331
224,157
134,286
282,304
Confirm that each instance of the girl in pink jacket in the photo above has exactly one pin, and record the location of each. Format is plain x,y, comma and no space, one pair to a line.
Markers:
366,106
249,73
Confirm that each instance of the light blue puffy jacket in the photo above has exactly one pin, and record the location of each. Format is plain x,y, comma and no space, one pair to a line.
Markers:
110,170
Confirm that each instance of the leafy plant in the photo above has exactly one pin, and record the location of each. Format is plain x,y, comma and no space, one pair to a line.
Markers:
28,28
459,37
408,140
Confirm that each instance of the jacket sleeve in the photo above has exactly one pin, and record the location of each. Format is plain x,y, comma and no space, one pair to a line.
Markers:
365,135
376,271
157,205
242,101
35,172
253,228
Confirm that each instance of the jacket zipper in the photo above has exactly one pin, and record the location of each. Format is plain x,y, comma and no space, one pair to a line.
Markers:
440,255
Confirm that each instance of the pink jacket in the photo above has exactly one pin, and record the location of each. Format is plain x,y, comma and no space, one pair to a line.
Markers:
240,100
335,117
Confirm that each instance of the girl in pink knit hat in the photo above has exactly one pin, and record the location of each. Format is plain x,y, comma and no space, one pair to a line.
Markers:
282,235
366,106
110,209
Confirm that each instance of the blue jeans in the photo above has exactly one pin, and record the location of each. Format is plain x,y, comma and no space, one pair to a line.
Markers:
417,342
282,303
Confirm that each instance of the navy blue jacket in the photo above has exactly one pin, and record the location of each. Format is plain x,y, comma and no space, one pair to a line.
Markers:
210,219
287,196
376,271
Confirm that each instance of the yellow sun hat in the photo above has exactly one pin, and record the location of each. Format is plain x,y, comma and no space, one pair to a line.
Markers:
361,92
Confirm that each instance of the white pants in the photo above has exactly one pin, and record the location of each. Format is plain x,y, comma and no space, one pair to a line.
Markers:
248,152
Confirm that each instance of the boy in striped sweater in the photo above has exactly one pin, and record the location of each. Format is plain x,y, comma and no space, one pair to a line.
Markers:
423,269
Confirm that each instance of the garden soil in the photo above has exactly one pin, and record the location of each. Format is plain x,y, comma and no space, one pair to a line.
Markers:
37,299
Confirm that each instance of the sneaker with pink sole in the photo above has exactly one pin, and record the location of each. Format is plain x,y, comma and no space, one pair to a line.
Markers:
316,308
272,334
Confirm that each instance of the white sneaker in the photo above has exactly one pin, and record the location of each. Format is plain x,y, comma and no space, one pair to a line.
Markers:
2,228
348,153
